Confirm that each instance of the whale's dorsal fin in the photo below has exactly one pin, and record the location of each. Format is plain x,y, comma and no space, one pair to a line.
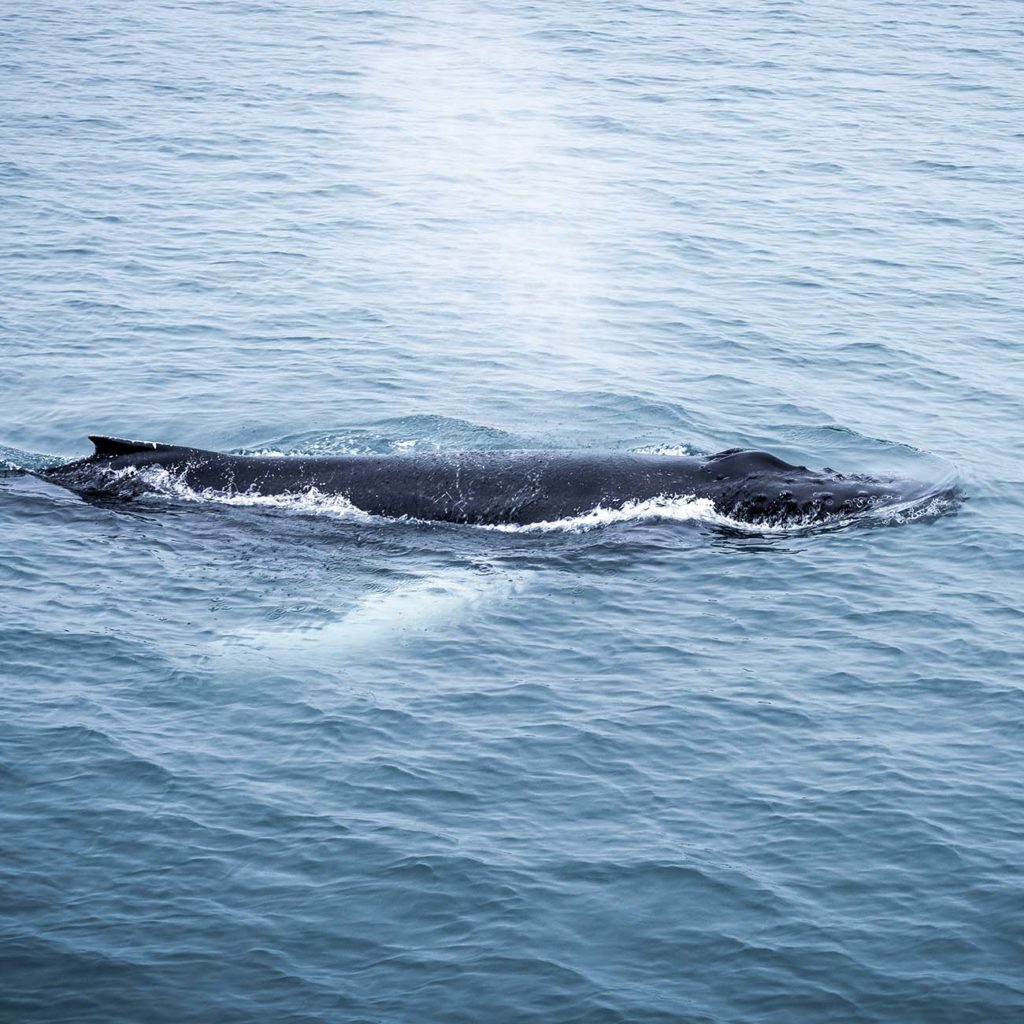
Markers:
107,447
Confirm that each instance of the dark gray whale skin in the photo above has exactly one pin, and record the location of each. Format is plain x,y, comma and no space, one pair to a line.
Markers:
517,487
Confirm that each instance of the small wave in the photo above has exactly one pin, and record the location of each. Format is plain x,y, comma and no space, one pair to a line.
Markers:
928,507
14,460
679,450
401,434
679,509
334,447
157,482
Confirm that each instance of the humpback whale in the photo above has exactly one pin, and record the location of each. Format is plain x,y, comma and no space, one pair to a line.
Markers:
496,487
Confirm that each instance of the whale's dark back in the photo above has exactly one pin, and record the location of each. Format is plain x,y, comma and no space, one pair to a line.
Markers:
495,487
474,487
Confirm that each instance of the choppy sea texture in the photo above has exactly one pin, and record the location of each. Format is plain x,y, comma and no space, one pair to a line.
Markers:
277,765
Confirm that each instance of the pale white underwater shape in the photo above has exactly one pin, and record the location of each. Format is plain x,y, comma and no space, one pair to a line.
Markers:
380,619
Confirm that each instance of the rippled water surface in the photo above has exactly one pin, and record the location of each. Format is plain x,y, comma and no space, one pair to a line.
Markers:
281,763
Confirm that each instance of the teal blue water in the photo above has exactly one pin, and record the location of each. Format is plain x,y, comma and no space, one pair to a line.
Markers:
283,764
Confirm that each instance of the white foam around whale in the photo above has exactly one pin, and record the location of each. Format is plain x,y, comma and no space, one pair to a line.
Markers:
156,481
677,509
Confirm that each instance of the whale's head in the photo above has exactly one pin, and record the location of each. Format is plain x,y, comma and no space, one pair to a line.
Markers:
756,487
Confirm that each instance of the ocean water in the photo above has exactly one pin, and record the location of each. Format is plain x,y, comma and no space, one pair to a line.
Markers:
284,763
